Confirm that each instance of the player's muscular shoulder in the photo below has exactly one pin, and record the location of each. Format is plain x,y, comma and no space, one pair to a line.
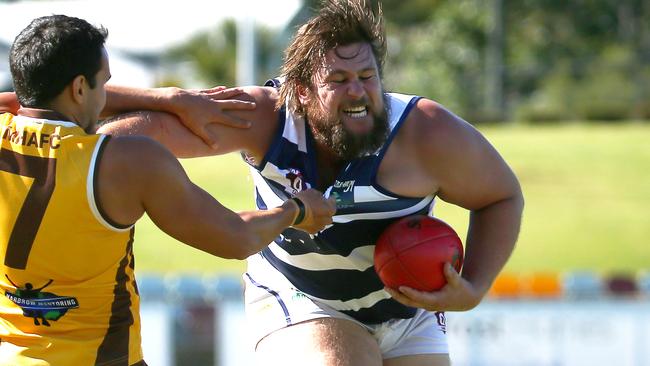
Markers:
425,133
405,169
430,122
424,146
433,132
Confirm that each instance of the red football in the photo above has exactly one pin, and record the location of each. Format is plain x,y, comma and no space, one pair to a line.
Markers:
412,252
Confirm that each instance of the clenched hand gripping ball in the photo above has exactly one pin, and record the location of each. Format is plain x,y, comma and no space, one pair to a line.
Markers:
412,252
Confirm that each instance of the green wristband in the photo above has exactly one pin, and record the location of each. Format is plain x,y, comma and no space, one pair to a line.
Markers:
301,211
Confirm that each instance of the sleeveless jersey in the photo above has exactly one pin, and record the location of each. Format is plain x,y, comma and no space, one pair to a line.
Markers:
335,266
68,293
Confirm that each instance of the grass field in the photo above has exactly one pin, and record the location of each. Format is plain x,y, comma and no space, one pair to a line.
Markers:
587,190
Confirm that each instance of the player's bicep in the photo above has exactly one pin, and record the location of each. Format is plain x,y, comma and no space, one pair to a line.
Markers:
469,170
185,211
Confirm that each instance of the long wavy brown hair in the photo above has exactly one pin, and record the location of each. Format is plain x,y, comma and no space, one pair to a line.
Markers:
337,23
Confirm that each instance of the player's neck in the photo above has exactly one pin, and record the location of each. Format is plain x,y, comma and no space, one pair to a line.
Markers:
43,114
329,165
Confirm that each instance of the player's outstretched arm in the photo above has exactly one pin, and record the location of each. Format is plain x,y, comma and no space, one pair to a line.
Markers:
313,212
163,127
178,136
138,175
467,171
207,106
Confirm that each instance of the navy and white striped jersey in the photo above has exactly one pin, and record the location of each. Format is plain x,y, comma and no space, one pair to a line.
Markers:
335,266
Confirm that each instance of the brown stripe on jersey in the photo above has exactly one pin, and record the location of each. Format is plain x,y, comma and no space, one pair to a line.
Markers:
115,345
141,363
23,234
133,282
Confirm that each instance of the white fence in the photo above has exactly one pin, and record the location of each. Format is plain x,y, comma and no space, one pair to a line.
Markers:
607,331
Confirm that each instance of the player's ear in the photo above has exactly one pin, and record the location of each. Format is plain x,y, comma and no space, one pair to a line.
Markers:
303,95
78,90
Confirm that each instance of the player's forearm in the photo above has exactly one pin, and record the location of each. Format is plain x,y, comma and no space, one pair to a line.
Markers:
122,99
265,225
162,127
491,238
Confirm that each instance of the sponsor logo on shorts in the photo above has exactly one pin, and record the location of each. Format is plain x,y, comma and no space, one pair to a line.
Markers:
442,321
297,296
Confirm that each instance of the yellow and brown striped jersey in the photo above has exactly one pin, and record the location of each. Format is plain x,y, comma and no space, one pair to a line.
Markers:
67,287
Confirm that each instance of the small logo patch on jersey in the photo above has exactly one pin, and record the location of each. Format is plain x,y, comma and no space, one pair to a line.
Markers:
345,186
296,179
41,305
343,192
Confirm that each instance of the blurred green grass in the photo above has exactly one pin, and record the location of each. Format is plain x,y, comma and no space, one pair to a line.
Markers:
587,190
227,179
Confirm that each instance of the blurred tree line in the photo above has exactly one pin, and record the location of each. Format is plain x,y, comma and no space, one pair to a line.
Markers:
488,60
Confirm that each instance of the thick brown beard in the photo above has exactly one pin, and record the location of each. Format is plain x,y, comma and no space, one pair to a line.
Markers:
329,130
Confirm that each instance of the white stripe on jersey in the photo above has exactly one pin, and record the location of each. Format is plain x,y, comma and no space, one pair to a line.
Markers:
294,131
385,214
355,304
369,194
270,198
90,189
360,259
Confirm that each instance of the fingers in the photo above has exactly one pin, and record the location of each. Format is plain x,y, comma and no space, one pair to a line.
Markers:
420,298
319,210
236,104
221,92
453,278
395,294
214,89
331,201
232,121
205,135
224,96
457,295
407,296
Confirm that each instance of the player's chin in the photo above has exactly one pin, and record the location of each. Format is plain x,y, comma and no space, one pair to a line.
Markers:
359,127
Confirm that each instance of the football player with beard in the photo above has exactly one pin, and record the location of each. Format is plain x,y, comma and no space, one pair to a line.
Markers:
327,123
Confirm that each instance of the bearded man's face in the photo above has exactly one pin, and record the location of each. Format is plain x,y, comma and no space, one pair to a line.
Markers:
346,108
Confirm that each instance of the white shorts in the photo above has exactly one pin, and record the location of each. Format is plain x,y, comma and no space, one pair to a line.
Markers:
273,303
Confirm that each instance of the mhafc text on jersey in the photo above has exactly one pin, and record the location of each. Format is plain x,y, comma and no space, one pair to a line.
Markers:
30,138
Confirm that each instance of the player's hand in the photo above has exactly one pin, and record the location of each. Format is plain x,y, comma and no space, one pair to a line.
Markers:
457,295
318,211
197,108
